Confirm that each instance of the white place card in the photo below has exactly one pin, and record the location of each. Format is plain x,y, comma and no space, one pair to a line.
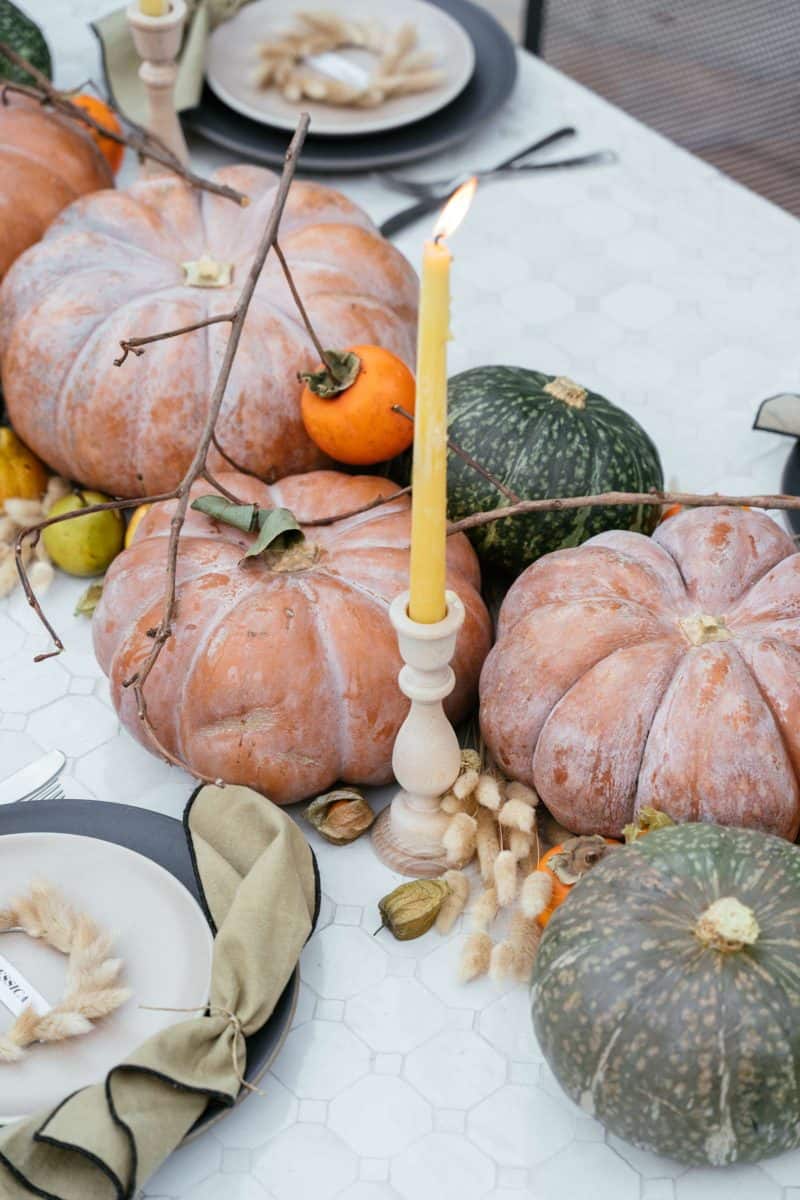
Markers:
336,66
16,994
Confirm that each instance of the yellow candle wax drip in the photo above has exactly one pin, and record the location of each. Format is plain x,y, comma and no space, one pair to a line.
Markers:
427,602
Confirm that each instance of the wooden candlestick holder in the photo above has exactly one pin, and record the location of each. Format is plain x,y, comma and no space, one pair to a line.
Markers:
158,41
427,757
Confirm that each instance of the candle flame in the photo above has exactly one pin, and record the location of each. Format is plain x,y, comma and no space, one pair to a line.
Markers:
456,209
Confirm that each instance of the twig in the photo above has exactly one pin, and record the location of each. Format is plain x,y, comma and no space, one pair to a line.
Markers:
232,461
375,503
301,308
468,459
197,468
134,345
656,499
33,533
140,140
198,464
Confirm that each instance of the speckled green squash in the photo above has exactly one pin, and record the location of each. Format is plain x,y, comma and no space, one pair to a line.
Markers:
565,441
680,1047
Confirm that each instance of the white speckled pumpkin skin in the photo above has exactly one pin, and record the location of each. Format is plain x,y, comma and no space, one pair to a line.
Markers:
46,162
682,1049
595,694
110,268
283,680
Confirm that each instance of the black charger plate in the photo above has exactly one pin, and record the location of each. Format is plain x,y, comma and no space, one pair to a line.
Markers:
490,86
163,840
790,484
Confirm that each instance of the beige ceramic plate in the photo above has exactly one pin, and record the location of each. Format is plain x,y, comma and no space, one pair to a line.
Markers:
161,934
232,61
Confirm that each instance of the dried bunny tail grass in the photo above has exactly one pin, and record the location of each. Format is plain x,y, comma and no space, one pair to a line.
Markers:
520,844
516,815
536,894
8,530
475,957
453,905
466,784
484,910
8,571
452,804
24,512
56,489
470,759
501,965
505,878
459,839
91,988
488,792
520,791
524,937
513,958
40,576
487,844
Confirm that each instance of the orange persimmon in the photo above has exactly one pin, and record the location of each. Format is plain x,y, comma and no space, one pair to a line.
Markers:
355,423
583,852
113,152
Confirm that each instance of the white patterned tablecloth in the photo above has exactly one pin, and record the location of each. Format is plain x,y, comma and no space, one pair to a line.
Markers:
674,291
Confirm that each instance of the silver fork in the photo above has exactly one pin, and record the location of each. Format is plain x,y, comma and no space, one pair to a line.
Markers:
38,781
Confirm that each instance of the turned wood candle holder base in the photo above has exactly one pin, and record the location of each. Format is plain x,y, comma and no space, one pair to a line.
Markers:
158,41
427,757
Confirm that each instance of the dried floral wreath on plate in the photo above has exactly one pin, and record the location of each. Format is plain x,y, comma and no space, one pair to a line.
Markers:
91,990
288,62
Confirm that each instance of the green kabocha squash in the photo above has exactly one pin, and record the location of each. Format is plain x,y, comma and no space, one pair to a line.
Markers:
666,994
543,436
20,33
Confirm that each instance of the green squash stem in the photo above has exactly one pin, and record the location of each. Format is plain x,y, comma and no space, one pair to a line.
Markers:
727,925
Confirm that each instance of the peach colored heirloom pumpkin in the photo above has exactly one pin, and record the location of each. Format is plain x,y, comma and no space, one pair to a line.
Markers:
112,267
659,671
282,673
46,162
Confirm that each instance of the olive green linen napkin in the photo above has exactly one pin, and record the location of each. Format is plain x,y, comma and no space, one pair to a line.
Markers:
258,880
121,62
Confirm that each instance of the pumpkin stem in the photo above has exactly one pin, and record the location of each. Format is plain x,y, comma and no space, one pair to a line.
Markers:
703,627
339,373
727,925
565,389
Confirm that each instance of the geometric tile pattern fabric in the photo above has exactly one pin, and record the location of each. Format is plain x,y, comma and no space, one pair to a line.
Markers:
672,290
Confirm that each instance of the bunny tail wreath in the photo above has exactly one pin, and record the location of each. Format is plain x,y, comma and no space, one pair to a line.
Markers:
91,990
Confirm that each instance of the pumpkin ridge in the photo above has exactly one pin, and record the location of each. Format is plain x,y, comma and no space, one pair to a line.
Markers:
633,799
255,582
18,152
327,650
60,389
768,706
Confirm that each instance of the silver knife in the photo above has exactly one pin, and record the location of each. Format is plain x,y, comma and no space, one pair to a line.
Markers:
32,778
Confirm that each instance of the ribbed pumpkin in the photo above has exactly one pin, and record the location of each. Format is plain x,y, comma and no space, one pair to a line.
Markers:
46,162
542,437
160,256
663,672
666,994
282,672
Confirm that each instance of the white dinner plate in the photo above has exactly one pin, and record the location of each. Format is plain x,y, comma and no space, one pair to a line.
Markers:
160,933
232,62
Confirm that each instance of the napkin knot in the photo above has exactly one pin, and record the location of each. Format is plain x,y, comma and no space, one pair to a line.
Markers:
235,1023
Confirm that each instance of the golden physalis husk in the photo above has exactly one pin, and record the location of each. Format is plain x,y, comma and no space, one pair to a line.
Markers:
411,909
340,816
647,819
